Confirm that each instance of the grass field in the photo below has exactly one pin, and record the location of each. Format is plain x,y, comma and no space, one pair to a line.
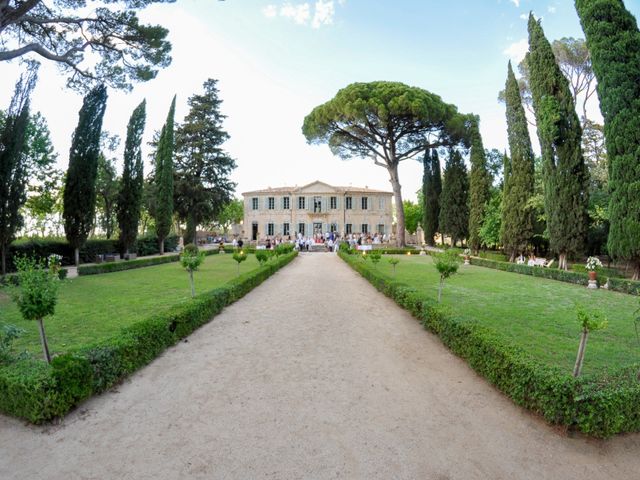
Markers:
95,307
536,314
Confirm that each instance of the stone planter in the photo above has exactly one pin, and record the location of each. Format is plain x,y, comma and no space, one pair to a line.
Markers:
466,260
593,283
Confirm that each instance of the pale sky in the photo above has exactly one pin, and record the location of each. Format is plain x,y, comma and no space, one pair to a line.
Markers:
276,60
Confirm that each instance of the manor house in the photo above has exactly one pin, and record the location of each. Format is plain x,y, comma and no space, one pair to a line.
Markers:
315,209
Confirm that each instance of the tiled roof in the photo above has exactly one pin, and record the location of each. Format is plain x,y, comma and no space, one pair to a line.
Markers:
281,190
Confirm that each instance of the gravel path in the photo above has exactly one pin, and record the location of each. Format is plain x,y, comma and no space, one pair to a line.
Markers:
313,375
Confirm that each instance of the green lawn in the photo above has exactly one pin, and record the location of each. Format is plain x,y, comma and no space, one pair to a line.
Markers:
98,306
535,313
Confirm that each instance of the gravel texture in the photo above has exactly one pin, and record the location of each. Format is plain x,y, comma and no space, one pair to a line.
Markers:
313,375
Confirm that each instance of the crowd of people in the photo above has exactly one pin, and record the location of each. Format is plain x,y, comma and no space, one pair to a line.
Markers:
331,241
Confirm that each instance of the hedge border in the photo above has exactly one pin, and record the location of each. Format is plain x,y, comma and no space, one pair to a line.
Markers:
621,285
598,406
38,392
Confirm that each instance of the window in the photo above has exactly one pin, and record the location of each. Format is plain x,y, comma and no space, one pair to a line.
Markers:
285,229
381,203
333,203
285,203
365,203
365,228
301,228
348,203
381,228
301,203
270,229
348,228
271,203
254,203
334,227
317,204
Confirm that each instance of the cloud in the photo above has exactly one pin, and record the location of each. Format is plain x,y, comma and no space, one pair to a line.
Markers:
322,12
524,16
517,50
270,11
516,2
551,9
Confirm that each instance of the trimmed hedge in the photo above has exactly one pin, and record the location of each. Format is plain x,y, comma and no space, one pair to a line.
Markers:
598,406
38,392
42,248
121,265
622,285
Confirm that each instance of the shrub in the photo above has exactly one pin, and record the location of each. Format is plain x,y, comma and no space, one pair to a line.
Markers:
8,334
447,264
128,265
262,256
190,260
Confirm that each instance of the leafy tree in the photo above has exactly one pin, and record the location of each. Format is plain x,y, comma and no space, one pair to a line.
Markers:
394,262
388,122
13,162
38,294
130,194
232,213
447,264
431,190
491,225
107,187
614,42
80,183
574,60
163,188
412,215
44,203
375,256
202,184
517,216
191,259
479,185
454,200
495,166
239,257
90,41
589,322
559,132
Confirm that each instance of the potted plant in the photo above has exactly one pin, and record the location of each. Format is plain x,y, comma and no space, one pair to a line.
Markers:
592,264
467,256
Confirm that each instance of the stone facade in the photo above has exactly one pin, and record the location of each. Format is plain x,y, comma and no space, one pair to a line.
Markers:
316,208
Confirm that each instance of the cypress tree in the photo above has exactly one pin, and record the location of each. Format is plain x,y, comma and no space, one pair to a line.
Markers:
613,40
479,186
517,218
431,190
130,195
560,135
164,178
454,200
13,162
80,186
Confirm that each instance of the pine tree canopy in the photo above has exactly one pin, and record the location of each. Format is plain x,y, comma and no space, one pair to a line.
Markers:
121,49
203,186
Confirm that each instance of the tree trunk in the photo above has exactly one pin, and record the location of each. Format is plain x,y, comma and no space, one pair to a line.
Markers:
580,358
191,232
397,196
43,340
76,256
193,288
161,245
636,269
562,261
3,252
512,257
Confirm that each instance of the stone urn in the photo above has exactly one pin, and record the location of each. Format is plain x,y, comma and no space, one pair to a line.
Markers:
593,283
